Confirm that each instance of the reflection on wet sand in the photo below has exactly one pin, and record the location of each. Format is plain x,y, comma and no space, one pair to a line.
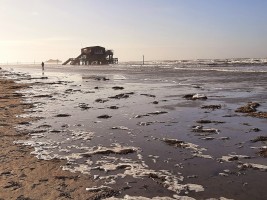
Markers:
159,139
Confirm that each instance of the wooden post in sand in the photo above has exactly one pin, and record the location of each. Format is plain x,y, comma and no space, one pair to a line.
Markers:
143,59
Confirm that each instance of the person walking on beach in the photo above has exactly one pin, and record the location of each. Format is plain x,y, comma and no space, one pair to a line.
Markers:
43,66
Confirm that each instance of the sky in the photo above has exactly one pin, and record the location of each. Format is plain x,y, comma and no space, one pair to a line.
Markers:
38,30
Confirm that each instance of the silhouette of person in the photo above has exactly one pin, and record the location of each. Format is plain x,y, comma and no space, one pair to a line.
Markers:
43,66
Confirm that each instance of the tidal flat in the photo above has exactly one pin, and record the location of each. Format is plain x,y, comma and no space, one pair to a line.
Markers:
158,131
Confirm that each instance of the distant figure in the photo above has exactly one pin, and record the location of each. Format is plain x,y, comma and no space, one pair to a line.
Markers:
43,66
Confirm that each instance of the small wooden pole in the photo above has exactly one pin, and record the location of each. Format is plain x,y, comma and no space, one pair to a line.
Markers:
143,59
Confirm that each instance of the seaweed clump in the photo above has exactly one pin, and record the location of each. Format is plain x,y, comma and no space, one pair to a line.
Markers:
251,110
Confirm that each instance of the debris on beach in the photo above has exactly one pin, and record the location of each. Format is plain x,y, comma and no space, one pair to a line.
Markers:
145,123
207,138
263,152
192,176
223,174
69,91
82,135
175,142
195,97
52,83
188,96
38,135
55,131
260,138
112,150
249,108
197,152
212,107
157,113
88,92
103,192
254,130
14,185
112,167
230,115
148,95
117,88
113,107
104,116
42,78
62,115
101,100
200,155
258,114
201,129
224,138
121,96
204,121
97,189
43,96
140,116
84,106
231,158
199,96
24,123
44,126
253,166
121,128
196,86
97,78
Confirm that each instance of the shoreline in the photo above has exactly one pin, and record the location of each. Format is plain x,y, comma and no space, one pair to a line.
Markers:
23,176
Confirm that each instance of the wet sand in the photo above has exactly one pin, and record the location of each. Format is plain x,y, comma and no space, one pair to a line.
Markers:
22,176
150,132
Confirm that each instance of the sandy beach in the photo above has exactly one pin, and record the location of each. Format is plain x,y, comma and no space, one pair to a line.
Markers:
22,175
159,131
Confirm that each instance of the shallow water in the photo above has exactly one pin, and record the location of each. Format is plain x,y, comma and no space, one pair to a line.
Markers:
127,148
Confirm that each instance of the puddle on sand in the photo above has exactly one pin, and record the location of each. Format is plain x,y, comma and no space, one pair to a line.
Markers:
156,154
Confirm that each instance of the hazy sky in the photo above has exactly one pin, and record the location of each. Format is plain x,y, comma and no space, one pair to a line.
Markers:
159,29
